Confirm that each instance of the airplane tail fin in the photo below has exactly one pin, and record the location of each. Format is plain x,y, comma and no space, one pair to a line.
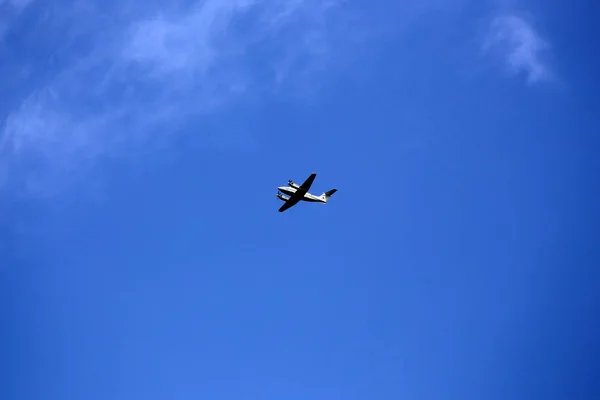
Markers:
328,194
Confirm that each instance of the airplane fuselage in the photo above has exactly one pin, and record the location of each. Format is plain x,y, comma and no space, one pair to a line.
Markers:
289,190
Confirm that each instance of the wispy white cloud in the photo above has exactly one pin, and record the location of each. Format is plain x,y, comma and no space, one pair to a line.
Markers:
9,11
92,79
16,4
519,46
126,70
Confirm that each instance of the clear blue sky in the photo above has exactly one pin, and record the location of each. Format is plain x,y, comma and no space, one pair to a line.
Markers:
141,252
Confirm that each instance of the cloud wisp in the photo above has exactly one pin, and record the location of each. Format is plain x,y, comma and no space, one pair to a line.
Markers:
520,47
123,71
10,11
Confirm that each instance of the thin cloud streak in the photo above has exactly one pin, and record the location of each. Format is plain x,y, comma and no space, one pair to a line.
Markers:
521,48
150,72
110,79
10,10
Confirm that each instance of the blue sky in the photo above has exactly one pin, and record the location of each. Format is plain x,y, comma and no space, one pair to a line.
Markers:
141,252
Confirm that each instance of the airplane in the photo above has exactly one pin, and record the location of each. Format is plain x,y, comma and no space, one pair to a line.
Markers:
300,192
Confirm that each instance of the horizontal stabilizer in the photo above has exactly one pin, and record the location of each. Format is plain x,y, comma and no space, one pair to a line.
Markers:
330,193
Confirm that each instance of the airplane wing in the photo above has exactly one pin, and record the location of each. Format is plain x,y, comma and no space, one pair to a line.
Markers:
295,198
289,203
308,182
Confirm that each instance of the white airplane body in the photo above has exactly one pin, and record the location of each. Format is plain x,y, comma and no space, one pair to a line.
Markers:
300,193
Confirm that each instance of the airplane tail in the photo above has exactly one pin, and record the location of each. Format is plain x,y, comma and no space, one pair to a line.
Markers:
328,194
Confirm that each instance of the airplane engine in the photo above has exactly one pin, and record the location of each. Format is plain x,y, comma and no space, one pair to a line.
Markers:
282,197
292,184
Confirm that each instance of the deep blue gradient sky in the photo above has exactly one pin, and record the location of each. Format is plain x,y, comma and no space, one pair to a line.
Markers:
141,252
